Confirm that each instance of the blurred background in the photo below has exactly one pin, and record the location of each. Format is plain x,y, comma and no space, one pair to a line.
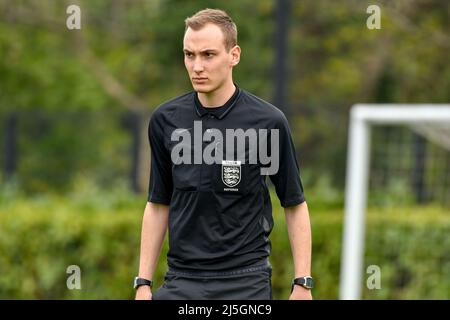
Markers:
74,152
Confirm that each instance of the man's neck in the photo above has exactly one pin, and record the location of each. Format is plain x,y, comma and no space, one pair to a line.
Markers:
218,97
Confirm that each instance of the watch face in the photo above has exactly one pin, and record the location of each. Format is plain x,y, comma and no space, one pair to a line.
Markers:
309,282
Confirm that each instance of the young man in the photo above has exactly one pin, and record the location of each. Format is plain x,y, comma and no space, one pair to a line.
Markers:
211,192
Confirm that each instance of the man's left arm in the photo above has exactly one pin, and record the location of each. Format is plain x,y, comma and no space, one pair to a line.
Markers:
299,230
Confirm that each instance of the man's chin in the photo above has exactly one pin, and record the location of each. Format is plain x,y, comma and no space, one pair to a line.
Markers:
202,88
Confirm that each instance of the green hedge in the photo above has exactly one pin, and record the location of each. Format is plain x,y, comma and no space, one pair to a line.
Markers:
41,237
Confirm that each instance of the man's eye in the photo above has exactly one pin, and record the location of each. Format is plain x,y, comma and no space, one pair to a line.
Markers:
188,54
209,54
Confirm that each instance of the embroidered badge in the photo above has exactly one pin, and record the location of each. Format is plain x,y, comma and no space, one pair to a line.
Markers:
231,173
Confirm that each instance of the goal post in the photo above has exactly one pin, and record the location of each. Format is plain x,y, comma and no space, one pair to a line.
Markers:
362,118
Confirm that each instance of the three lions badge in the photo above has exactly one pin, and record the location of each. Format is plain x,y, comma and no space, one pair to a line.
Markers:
231,174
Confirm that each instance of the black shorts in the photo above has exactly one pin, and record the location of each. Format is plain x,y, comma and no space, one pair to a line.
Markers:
250,283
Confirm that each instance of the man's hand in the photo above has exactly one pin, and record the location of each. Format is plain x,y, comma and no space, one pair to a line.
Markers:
144,293
300,293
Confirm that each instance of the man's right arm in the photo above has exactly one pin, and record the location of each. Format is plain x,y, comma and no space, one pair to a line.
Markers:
154,227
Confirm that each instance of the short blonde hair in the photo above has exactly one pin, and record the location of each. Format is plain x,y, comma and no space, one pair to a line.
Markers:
218,17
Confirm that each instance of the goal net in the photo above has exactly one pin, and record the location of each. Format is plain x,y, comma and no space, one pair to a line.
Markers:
397,155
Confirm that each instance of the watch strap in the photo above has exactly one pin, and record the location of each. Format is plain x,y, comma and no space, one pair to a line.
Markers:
306,282
142,282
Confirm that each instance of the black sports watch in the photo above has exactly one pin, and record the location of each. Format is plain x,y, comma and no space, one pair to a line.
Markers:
306,282
142,282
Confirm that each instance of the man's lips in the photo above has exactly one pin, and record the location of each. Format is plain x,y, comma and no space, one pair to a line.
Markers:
198,79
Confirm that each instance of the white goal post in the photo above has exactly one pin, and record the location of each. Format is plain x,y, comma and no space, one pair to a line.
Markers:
362,117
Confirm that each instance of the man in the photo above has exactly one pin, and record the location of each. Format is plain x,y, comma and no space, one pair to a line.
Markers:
211,193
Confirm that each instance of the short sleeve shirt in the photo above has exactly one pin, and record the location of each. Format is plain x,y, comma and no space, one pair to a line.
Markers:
208,165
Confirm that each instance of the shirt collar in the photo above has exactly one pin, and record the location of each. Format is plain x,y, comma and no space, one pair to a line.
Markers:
201,110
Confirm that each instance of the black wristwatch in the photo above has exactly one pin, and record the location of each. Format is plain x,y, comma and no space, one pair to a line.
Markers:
142,282
306,282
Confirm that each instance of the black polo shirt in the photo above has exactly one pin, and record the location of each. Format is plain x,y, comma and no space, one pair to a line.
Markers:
220,214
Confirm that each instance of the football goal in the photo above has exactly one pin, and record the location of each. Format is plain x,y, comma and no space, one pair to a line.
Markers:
427,123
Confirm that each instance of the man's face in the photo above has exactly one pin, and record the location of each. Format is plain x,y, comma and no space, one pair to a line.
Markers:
207,61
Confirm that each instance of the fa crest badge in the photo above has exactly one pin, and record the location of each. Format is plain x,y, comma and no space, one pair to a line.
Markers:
231,173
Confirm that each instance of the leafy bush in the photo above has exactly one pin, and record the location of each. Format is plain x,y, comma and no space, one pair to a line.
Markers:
100,232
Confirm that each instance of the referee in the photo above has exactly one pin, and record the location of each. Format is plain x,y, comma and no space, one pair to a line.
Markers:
219,213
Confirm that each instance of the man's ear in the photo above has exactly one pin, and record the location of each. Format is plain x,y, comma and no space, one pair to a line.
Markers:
235,55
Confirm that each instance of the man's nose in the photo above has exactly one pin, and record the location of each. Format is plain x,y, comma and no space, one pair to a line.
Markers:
198,66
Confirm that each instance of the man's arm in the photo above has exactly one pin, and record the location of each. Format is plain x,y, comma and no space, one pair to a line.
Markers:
299,230
154,227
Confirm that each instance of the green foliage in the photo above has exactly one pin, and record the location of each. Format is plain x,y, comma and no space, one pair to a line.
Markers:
100,232
320,191
71,141
412,248
55,149
333,61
